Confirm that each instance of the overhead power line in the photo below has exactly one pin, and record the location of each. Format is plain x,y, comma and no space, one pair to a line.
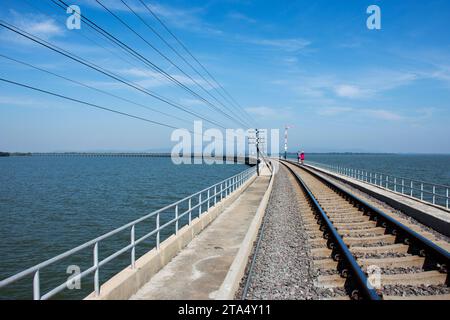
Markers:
101,70
93,105
85,103
130,50
185,61
194,58
92,88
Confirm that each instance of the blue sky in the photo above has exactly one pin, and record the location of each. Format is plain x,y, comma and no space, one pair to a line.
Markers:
310,64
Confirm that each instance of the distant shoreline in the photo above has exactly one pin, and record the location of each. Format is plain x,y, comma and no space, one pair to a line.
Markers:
15,154
74,153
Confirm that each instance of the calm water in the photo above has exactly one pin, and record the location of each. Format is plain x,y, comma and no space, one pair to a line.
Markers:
429,168
51,204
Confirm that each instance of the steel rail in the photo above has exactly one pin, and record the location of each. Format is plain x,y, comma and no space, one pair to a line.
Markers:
337,243
426,248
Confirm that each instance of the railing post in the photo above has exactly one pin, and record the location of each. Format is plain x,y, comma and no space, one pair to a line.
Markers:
421,191
96,273
133,248
403,186
447,199
157,232
215,195
208,200
36,286
221,191
225,189
395,184
387,182
190,210
434,194
411,192
176,219
200,204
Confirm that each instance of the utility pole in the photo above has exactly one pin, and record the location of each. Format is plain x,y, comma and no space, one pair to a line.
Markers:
257,151
286,128
256,140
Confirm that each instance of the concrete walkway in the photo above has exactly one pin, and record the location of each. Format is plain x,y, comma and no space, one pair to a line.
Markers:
199,270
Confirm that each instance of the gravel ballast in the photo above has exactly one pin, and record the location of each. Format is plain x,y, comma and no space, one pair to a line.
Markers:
283,267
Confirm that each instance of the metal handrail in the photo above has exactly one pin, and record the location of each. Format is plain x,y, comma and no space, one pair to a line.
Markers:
220,190
405,186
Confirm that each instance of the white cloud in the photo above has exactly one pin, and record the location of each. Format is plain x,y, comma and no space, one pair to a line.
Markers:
149,78
191,102
22,101
241,17
182,18
262,111
383,114
36,24
138,72
322,88
333,111
290,45
350,91
414,116
367,112
268,112
16,101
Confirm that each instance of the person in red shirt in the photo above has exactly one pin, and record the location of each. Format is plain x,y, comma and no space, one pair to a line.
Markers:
302,157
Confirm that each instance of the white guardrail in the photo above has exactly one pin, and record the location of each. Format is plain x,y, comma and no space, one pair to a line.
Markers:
195,205
435,194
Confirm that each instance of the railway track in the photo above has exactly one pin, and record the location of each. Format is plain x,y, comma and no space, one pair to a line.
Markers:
363,253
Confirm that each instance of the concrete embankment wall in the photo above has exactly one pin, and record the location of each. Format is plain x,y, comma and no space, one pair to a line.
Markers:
126,283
